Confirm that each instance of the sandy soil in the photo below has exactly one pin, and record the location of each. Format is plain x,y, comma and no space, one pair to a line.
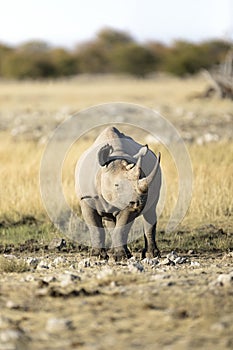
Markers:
70,301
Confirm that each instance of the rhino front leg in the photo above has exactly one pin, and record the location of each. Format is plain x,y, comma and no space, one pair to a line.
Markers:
120,236
96,229
97,235
150,250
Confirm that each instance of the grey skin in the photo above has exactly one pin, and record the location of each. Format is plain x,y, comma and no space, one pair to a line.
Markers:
117,179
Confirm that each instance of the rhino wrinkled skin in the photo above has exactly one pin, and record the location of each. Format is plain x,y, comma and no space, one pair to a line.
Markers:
116,180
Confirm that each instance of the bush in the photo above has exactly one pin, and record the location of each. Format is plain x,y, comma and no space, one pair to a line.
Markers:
92,58
64,63
112,51
133,59
20,65
188,58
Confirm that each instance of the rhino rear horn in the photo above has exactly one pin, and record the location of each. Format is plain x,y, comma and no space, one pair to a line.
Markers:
103,154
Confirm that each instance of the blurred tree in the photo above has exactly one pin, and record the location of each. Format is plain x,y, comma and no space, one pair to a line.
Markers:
133,59
159,52
189,58
112,51
183,58
18,65
34,46
4,51
64,62
111,38
92,58
215,50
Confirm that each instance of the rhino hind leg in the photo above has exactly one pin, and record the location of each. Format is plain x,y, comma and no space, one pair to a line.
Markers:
150,250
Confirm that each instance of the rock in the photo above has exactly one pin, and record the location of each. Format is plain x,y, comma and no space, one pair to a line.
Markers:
28,278
8,335
225,280
206,138
106,272
11,305
59,260
159,277
68,278
41,292
218,327
167,261
32,262
172,256
195,264
43,265
58,324
152,262
57,244
135,267
10,256
228,256
84,263
191,252
180,260
42,284
48,279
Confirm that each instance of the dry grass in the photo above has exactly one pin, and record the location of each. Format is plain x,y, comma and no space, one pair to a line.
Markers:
212,189
20,161
167,94
12,265
19,179
213,186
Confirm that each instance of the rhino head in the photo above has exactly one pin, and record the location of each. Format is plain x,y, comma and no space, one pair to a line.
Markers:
123,183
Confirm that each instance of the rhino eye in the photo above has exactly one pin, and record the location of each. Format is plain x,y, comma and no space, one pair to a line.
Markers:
116,185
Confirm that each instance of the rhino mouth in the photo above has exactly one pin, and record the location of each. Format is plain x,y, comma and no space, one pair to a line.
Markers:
138,205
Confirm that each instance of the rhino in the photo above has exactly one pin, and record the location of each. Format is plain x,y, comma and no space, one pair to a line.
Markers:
117,180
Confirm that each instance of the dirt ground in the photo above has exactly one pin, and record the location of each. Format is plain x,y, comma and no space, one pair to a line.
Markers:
51,299
66,300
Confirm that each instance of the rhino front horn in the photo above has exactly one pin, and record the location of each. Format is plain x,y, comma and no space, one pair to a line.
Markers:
144,183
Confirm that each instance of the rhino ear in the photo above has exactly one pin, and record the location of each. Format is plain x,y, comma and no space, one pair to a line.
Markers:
103,154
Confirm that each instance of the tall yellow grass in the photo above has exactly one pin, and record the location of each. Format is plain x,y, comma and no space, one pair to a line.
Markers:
20,161
212,200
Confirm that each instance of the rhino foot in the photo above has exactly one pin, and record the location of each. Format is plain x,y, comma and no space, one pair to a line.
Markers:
121,253
151,253
100,253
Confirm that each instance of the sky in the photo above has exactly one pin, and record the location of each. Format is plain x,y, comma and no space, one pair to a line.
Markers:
67,23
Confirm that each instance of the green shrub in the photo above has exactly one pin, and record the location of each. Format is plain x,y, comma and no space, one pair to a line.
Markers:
111,51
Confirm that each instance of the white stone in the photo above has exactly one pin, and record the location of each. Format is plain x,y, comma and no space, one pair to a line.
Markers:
33,262
225,280
58,324
84,263
59,260
136,267
9,335
105,273
43,265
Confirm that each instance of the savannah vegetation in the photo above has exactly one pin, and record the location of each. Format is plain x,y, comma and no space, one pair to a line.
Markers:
64,299
110,51
30,111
